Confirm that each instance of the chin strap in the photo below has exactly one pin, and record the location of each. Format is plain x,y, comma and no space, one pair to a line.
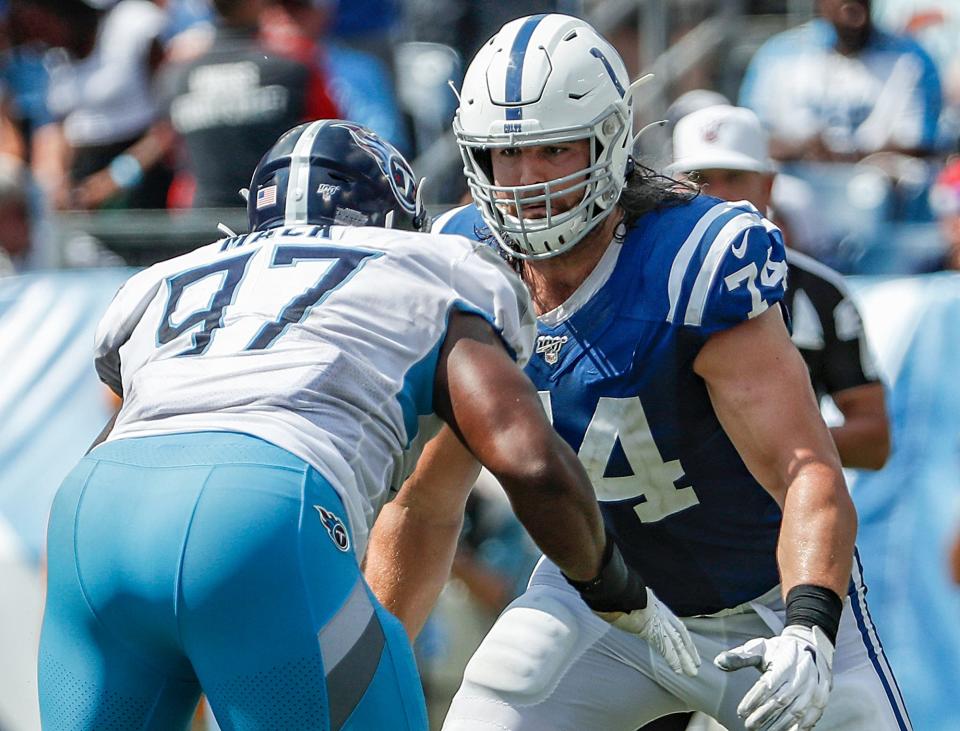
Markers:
620,233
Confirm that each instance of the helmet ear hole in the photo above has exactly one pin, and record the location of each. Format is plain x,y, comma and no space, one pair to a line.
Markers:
484,160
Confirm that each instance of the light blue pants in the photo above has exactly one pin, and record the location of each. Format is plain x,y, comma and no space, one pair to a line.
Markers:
213,562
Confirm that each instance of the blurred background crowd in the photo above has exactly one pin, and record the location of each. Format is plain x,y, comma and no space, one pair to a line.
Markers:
162,105
129,127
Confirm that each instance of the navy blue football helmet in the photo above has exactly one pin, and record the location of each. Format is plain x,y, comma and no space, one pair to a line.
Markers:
334,172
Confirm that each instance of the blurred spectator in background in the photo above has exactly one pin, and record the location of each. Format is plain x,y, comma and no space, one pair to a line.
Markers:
189,30
100,96
15,212
945,203
724,149
465,26
371,26
24,82
11,137
359,83
26,240
934,24
6,262
839,88
236,94
187,15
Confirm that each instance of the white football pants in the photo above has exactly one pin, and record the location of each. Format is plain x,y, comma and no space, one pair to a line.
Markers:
550,664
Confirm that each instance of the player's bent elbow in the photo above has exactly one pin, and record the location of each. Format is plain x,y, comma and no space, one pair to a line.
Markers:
881,451
845,512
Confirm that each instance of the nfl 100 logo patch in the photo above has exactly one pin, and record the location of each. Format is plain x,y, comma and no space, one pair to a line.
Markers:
549,346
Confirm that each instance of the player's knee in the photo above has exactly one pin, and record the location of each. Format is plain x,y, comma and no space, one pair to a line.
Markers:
528,649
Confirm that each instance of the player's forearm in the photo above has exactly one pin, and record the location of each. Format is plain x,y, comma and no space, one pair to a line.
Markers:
819,529
408,562
154,144
560,512
863,441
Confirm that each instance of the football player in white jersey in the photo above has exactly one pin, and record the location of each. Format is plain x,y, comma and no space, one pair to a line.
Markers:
663,359
277,389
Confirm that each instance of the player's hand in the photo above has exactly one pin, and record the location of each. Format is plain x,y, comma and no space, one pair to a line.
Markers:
618,595
796,676
663,630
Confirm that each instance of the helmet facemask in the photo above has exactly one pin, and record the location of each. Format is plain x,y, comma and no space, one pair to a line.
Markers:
558,231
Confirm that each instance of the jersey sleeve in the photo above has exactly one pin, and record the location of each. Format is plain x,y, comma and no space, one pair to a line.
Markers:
739,273
487,286
118,322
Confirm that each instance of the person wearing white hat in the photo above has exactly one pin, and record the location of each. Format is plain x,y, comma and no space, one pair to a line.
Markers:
724,149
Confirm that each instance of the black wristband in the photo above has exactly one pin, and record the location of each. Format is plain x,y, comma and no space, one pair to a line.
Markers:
809,605
617,588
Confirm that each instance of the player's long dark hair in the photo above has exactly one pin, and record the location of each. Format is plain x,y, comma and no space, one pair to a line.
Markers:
647,190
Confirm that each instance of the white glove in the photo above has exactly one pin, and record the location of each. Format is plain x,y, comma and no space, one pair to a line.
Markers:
797,674
663,630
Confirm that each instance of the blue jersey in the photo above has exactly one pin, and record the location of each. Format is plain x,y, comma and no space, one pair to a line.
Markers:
614,366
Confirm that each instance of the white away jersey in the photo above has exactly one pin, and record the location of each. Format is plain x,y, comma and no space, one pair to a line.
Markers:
321,340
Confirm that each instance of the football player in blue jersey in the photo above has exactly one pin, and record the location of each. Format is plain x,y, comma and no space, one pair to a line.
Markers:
663,359
277,388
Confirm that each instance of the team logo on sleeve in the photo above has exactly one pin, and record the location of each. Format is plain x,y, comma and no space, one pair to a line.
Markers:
549,346
398,172
335,528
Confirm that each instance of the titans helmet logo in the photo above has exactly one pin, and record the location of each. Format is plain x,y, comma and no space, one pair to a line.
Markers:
394,167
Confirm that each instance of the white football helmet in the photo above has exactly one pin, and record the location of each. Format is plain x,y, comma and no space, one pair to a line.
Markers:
542,80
